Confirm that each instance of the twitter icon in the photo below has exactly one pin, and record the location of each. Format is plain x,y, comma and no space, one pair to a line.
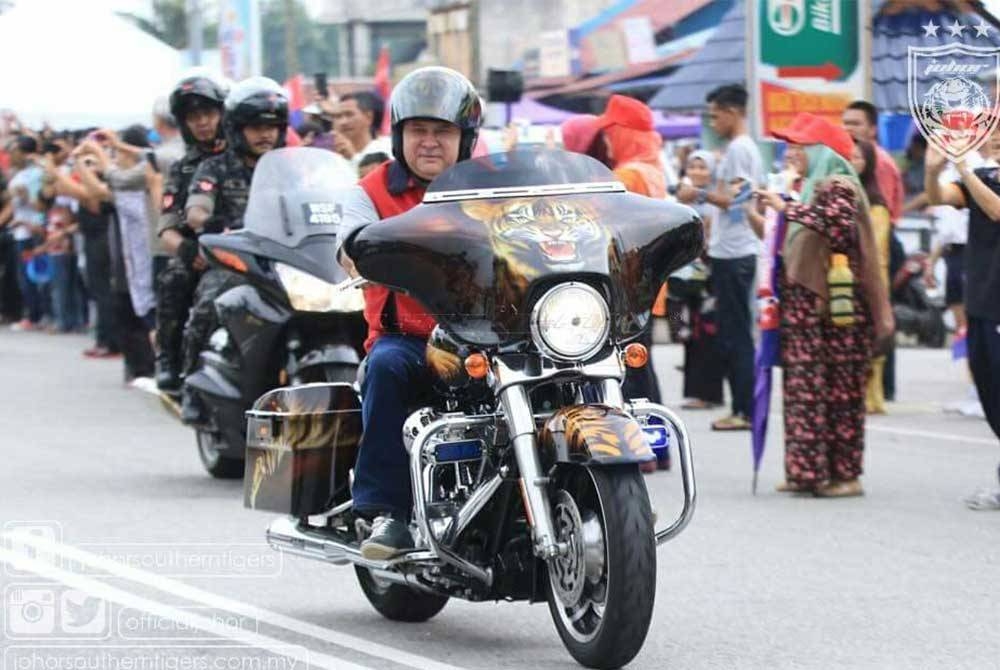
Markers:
83,615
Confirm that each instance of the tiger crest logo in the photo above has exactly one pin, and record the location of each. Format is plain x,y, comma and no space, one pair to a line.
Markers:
949,104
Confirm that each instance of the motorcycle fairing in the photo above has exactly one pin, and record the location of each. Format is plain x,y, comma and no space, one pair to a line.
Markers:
301,443
477,264
592,434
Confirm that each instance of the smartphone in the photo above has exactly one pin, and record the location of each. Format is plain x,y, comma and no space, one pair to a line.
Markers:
319,81
776,182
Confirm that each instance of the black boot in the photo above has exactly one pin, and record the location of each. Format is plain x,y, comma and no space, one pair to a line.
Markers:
192,411
168,378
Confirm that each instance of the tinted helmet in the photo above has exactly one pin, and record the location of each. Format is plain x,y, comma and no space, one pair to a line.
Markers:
255,101
195,92
436,93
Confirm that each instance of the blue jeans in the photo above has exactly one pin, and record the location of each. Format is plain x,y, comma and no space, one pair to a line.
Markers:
32,295
395,375
732,282
65,294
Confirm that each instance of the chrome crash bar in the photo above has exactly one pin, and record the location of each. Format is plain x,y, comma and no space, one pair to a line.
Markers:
642,408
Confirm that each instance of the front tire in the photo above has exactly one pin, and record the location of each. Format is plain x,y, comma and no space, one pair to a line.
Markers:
601,594
397,602
210,447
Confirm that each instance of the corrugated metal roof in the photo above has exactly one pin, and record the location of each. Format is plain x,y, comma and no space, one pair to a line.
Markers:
720,61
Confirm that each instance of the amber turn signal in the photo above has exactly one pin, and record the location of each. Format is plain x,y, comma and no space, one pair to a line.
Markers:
477,366
231,260
636,355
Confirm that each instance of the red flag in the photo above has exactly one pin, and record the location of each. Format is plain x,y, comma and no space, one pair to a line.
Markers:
383,85
296,98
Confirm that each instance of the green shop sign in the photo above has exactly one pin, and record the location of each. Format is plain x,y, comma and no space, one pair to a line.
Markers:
810,38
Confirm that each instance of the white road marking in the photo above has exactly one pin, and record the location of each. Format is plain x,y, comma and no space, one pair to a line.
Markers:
186,617
179,588
932,435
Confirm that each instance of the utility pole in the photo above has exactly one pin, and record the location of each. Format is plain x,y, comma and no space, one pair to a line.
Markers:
194,30
291,41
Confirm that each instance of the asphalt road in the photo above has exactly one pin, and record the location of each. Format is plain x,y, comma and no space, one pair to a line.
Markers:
137,560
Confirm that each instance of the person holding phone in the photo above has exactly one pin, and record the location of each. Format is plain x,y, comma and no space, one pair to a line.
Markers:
733,246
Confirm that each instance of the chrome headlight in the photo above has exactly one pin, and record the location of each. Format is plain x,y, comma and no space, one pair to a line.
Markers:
308,293
570,322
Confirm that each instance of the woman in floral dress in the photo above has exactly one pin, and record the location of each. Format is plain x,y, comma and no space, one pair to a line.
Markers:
826,366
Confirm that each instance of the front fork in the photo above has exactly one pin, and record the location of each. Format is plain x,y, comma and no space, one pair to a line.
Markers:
521,423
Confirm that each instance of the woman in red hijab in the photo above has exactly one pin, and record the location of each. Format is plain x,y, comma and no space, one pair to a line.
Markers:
633,146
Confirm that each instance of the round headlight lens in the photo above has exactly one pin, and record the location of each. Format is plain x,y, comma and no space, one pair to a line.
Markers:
571,321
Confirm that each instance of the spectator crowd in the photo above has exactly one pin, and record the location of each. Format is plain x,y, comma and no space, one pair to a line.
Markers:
809,247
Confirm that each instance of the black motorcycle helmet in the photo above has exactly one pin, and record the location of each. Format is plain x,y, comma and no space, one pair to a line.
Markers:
257,100
435,93
194,92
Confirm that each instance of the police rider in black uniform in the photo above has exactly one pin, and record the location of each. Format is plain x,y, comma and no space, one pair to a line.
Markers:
196,103
255,121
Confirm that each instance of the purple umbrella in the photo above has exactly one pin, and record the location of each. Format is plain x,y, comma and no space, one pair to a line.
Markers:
769,353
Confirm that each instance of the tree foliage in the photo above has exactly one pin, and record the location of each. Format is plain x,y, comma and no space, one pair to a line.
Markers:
170,24
316,48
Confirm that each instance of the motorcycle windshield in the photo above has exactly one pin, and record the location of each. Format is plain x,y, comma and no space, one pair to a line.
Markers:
494,232
295,194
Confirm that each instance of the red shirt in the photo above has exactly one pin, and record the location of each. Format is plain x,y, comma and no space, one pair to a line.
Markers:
411,317
890,182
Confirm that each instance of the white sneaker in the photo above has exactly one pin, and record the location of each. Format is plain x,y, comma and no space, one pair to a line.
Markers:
147,384
984,499
972,408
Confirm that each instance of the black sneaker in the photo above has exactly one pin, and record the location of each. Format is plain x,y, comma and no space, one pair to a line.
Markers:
390,538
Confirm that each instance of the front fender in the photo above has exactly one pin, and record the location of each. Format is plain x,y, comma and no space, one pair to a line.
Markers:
592,434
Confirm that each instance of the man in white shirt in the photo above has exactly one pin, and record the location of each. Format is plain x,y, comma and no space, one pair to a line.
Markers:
733,246
356,121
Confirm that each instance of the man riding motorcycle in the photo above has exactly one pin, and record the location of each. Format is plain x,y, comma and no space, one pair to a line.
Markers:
196,104
436,114
255,121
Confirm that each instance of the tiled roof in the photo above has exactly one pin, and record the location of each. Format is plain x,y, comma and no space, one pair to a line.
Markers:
720,61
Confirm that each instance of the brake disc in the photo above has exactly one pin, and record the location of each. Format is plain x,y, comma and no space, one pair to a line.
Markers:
568,572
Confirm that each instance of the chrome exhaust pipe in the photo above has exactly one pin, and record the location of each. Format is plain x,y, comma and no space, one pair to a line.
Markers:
285,535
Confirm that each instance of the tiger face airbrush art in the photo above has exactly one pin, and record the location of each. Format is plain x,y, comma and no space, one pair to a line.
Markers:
536,236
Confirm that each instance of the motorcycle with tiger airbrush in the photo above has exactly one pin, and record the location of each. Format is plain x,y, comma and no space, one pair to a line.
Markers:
287,320
541,272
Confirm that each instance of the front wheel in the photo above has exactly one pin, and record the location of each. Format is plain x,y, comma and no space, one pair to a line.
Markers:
398,602
210,448
601,592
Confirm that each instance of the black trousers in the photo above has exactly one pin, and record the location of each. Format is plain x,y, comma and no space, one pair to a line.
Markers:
732,284
203,319
10,294
135,345
98,254
984,361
